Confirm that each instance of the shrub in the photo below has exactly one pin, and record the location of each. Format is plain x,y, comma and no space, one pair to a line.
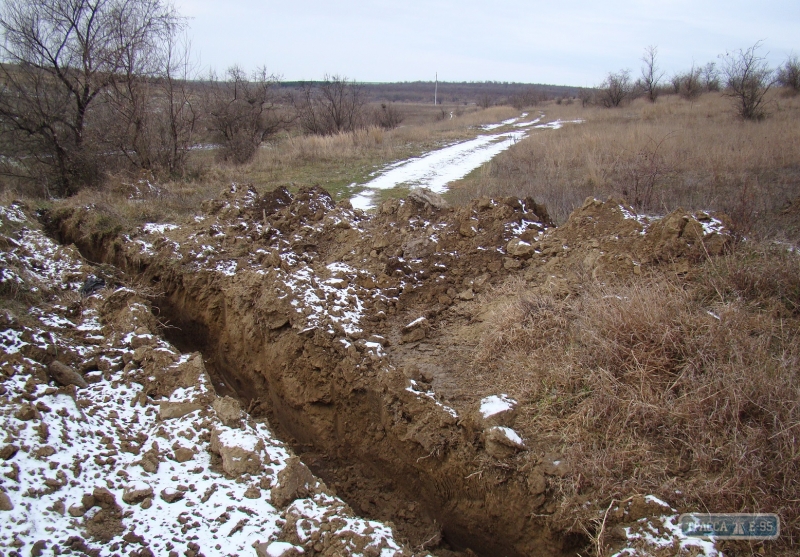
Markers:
242,112
748,78
334,105
387,117
616,89
789,75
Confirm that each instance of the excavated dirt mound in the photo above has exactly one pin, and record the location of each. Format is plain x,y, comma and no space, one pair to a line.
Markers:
340,328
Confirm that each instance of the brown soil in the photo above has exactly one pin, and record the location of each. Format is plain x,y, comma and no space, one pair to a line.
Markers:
346,394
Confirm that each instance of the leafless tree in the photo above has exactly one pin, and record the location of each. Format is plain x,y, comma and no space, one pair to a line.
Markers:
691,85
332,106
242,112
527,98
789,75
616,89
177,129
59,58
748,77
710,75
675,81
651,73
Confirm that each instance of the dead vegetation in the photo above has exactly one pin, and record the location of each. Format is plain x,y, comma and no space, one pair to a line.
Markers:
681,387
659,156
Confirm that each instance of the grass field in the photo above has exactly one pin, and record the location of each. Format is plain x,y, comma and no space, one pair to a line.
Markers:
698,155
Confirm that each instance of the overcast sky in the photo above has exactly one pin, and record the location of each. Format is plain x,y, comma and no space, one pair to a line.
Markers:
563,42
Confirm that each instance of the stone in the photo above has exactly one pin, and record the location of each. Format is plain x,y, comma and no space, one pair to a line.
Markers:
502,442
424,196
496,410
169,410
468,228
240,452
170,495
294,482
134,496
467,294
5,501
8,452
25,412
183,454
65,375
77,511
518,248
229,411
416,330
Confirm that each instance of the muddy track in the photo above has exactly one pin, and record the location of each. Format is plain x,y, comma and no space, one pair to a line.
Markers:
265,289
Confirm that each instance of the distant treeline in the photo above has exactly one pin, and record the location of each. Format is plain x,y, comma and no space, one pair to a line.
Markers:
464,92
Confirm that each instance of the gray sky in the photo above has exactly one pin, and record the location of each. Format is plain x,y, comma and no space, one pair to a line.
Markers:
564,42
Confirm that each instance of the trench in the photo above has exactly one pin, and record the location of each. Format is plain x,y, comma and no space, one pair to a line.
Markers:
358,436
371,489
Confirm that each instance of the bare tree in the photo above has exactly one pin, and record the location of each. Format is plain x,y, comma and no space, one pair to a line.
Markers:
527,98
675,81
651,73
177,129
710,75
748,77
242,112
332,106
616,89
59,57
789,75
691,85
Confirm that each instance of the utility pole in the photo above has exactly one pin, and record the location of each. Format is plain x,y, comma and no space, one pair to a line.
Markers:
436,89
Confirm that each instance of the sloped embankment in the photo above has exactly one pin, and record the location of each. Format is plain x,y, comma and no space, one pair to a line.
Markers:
334,325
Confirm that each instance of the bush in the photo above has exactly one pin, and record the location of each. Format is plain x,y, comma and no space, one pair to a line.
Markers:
616,89
748,78
387,117
242,112
789,75
334,105
691,85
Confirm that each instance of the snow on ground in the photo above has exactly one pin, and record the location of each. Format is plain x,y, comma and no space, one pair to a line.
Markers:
494,404
437,169
125,464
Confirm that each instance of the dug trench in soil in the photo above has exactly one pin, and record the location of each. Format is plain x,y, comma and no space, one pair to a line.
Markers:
335,325
329,386
376,478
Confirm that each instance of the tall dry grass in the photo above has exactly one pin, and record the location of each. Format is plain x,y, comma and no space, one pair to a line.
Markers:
698,155
686,390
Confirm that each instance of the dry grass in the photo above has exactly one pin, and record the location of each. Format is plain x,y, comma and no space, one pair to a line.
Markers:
687,390
660,156
293,161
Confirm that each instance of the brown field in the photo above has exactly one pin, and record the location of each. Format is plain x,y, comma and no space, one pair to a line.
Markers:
674,153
